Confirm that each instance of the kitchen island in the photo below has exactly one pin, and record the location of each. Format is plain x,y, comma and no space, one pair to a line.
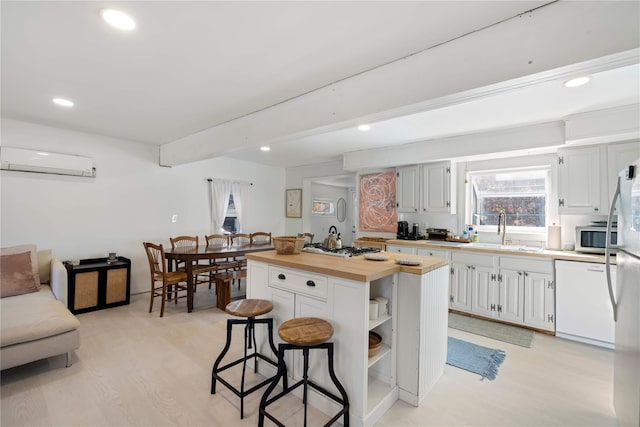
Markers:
413,326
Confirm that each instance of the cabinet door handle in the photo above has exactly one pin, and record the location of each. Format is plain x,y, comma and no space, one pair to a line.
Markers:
281,276
311,283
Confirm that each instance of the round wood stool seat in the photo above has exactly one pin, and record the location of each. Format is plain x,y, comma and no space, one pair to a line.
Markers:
305,334
305,331
249,307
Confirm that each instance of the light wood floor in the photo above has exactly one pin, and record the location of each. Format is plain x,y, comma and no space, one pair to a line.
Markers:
136,369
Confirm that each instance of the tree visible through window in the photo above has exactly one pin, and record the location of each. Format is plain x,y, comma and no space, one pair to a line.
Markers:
521,194
230,221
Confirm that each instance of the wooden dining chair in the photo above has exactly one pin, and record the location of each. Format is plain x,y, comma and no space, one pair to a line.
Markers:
217,239
180,242
260,238
308,237
170,286
240,239
202,273
222,264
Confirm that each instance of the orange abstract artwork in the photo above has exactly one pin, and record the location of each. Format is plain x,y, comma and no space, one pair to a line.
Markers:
377,202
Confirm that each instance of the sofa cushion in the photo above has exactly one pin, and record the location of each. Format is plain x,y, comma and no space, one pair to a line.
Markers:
16,275
34,257
44,266
33,316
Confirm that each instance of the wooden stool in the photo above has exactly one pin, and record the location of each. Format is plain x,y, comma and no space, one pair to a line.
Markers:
223,286
249,308
304,333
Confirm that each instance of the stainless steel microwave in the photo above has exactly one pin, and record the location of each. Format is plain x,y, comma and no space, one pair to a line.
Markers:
592,239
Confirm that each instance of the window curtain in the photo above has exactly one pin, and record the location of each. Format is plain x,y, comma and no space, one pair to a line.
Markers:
240,192
220,191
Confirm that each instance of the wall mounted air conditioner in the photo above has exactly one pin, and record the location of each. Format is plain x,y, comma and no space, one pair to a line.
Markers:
19,159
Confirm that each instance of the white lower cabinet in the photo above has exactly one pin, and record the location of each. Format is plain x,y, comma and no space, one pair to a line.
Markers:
584,308
403,249
470,286
514,289
438,253
536,283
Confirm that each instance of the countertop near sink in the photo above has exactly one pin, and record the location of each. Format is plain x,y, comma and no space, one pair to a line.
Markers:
354,268
456,246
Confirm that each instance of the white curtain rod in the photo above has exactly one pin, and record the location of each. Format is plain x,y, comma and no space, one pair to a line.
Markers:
229,180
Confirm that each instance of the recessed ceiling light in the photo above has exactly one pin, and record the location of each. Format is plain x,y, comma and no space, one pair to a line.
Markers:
578,81
118,19
265,148
62,102
364,128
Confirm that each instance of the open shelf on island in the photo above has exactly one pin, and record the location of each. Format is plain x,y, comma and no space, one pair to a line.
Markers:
384,350
380,397
379,321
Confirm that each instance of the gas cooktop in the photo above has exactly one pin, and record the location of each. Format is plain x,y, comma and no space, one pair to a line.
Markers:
344,252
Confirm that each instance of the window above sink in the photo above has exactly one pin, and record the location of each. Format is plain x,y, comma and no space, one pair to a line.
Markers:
522,194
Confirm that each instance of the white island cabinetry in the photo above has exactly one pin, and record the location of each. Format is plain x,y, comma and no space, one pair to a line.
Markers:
371,382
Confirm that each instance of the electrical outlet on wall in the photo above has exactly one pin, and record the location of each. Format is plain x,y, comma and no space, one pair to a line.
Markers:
174,218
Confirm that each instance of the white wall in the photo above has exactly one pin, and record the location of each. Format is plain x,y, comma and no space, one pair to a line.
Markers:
320,224
299,177
130,201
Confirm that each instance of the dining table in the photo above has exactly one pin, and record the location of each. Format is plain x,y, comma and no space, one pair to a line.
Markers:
192,254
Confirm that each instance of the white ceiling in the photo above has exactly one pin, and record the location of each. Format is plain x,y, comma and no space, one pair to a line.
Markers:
190,66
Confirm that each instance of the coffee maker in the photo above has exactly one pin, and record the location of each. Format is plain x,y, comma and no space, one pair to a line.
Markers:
403,230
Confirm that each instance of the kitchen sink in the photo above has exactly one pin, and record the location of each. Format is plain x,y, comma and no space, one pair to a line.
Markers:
498,246
445,242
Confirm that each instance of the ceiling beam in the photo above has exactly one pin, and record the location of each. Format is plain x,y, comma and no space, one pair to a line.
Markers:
553,36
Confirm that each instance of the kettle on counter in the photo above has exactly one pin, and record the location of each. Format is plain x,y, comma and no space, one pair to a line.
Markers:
331,240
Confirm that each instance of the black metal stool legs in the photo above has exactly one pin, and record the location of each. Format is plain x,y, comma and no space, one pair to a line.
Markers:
306,383
282,373
249,339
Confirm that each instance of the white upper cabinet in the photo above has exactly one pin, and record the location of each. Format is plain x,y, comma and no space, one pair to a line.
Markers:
587,176
408,189
426,188
579,180
437,193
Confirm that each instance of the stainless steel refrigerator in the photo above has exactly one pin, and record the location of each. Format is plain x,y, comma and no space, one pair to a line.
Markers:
626,299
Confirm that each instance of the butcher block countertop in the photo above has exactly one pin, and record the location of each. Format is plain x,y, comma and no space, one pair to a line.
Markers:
549,254
355,268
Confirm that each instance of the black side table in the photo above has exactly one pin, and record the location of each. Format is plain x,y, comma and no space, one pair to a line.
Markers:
95,284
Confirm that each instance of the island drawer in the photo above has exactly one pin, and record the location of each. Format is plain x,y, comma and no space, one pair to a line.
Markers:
314,285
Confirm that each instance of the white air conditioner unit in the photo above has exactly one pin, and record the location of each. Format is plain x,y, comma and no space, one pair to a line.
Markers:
19,159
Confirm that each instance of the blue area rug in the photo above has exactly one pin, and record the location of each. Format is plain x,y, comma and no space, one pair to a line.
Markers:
474,358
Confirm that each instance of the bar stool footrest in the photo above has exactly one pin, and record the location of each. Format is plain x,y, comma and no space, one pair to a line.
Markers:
251,356
266,400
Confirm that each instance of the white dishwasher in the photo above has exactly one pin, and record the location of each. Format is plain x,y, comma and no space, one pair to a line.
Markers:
583,308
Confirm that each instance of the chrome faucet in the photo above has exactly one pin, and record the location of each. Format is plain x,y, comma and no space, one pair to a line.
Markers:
502,218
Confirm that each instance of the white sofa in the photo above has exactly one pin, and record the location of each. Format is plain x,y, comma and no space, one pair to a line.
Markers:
38,325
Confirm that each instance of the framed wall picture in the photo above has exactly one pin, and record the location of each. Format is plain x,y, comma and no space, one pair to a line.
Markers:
377,202
294,203
323,207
